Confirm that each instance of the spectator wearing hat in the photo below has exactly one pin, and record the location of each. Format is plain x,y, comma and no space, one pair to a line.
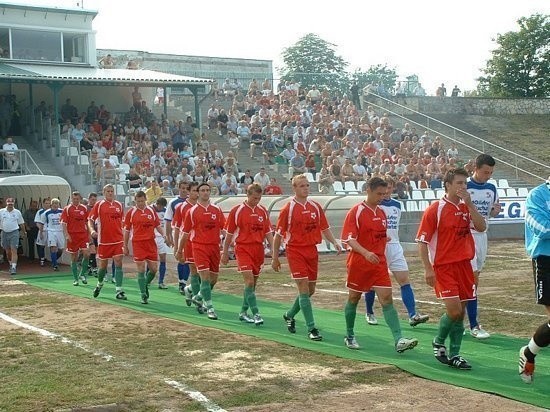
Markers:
12,224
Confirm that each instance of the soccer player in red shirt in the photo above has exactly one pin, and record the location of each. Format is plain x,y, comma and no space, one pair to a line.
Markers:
74,218
192,290
203,225
107,215
446,247
301,225
140,222
364,232
248,225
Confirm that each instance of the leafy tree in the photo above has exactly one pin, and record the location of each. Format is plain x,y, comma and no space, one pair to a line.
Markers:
313,61
520,65
378,74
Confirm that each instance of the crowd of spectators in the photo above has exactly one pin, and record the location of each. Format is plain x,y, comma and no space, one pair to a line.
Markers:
309,130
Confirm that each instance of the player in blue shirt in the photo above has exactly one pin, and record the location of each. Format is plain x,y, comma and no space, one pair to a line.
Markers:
485,198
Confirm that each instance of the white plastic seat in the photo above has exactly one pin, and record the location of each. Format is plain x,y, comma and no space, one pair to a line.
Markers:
412,206
64,146
124,167
503,184
338,187
417,195
523,192
501,192
429,194
439,193
309,176
322,247
423,205
120,190
361,186
114,160
493,181
413,185
511,192
349,186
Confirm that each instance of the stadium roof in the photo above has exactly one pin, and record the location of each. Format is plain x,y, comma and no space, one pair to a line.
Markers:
38,73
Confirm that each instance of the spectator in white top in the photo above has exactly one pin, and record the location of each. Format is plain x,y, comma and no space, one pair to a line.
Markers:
288,153
243,131
229,187
313,95
12,224
213,114
262,178
10,155
359,170
453,151
215,179
157,156
184,176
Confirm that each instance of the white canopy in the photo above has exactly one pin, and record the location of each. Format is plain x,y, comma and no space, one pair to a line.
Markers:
34,187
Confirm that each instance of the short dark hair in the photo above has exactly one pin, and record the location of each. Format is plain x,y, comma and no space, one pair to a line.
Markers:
450,175
162,201
140,193
376,182
484,159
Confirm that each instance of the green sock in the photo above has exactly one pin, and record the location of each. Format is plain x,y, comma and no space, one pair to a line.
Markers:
149,277
455,337
252,300
245,305
195,283
101,276
307,310
295,308
85,263
445,325
350,312
74,268
206,293
118,276
141,282
390,315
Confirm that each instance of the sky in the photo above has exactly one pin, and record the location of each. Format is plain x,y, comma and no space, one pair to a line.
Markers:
440,41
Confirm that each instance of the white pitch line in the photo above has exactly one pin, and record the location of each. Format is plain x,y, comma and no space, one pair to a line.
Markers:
193,394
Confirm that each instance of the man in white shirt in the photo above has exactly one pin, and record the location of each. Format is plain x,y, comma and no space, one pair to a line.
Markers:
10,155
262,178
12,224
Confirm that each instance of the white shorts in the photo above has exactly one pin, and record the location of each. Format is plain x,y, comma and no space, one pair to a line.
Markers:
396,258
480,240
161,245
56,239
42,240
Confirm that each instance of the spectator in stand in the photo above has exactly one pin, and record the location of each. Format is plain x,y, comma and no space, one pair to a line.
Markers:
214,179
222,123
335,170
234,143
422,182
277,138
153,193
136,98
230,166
184,176
288,153
432,169
313,95
167,190
347,171
311,167
262,178
243,131
229,188
359,170
298,164
273,188
441,91
11,155
246,180
69,112
455,92
269,150
452,152
436,182
434,149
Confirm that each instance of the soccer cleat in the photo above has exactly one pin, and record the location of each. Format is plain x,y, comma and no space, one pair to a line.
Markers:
351,342
113,281
211,313
479,333
243,317
94,272
188,296
120,295
290,323
459,362
42,263
13,271
75,283
163,286
314,335
371,319
526,368
418,319
404,344
97,289
182,288
56,268
258,319
144,299
147,291
440,352
83,279
201,309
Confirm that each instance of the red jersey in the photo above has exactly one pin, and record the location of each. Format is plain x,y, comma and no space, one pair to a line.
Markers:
301,224
75,217
179,213
273,190
108,219
204,224
142,222
445,227
368,227
248,225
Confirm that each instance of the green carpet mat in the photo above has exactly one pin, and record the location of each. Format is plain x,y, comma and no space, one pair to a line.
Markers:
494,361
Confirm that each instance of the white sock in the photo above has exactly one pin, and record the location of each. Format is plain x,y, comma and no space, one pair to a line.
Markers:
533,347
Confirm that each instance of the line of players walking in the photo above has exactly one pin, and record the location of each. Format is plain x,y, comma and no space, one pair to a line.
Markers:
452,245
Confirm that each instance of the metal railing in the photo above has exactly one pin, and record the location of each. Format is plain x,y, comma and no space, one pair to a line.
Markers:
522,166
18,162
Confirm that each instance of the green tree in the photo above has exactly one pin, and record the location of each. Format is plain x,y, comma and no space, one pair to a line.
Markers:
377,74
520,65
313,61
